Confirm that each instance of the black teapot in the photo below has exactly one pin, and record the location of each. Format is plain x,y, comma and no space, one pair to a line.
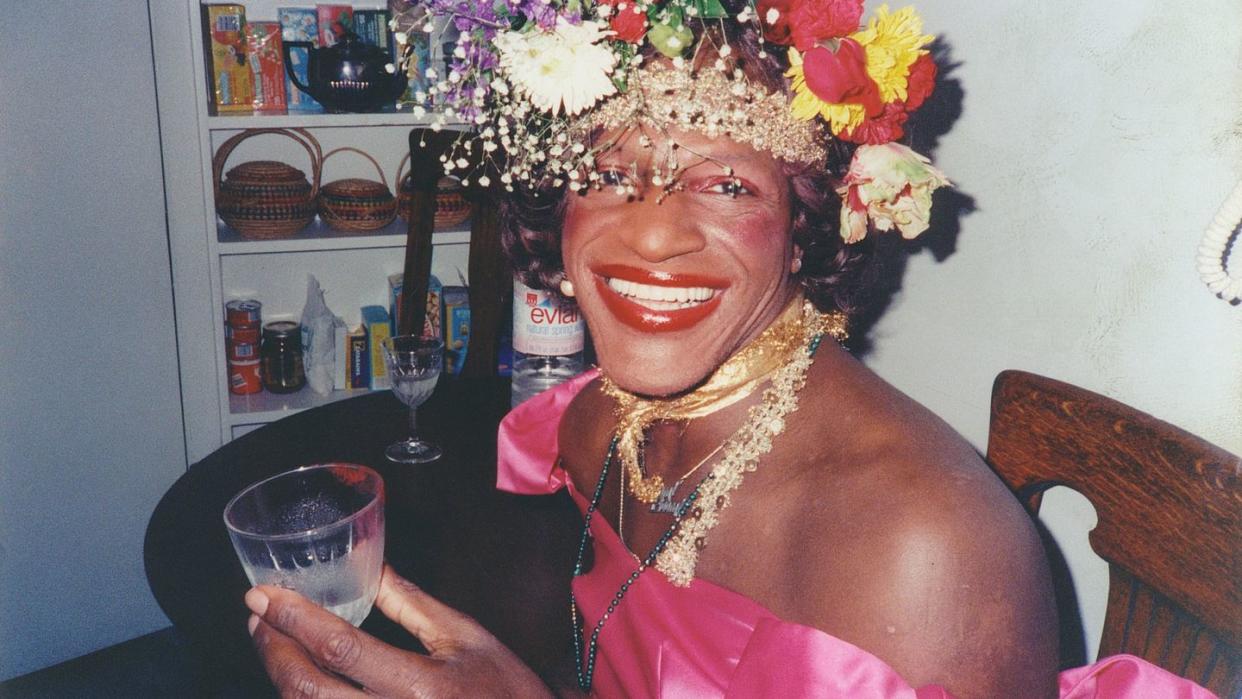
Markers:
350,76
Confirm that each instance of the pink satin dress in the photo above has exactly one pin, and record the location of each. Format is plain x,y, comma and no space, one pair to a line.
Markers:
707,641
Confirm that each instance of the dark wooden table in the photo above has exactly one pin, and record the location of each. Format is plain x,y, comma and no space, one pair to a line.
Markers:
504,559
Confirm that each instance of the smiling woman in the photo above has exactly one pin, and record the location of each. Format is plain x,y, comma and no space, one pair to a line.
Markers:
762,515
637,259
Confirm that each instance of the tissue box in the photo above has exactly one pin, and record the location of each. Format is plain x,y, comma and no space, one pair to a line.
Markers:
379,328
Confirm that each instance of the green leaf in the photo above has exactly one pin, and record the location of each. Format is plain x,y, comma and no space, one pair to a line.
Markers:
710,9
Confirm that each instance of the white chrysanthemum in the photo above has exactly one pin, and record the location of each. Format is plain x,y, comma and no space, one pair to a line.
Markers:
561,68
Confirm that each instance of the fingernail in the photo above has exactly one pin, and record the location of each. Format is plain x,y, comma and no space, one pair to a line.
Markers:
256,601
252,624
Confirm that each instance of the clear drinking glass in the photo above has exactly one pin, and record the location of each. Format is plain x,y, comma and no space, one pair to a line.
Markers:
414,365
317,530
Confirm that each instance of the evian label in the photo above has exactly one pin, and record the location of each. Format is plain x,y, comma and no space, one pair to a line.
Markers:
543,326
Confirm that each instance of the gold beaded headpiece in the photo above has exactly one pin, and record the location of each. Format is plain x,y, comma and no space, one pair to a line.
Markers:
714,103
537,78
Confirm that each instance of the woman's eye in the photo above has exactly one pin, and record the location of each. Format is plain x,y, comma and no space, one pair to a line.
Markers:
613,177
732,187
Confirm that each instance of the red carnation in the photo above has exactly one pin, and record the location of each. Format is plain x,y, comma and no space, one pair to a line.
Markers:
886,127
812,21
841,76
921,82
629,24
774,15
889,124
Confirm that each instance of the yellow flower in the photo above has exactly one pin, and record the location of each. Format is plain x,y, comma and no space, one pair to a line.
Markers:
805,105
893,42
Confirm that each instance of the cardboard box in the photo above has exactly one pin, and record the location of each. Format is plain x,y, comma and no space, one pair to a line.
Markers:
334,21
230,85
299,24
267,65
431,320
372,27
378,325
359,359
456,327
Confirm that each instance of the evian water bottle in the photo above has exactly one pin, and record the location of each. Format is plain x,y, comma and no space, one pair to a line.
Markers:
548,339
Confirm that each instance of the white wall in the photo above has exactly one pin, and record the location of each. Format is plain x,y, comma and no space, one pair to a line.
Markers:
1097,141
90,414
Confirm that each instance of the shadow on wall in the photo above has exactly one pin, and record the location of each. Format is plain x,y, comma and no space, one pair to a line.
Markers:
1072,640
949,204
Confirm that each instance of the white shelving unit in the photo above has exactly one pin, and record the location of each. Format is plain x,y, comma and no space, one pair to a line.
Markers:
212,263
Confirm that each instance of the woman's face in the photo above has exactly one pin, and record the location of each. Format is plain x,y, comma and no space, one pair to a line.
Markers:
671,288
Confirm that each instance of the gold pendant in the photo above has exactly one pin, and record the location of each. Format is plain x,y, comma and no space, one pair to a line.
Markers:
645,490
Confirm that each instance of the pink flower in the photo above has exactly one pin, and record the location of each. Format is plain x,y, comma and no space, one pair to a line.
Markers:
841,76
889,186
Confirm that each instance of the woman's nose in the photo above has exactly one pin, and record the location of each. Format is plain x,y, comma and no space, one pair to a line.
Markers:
659,231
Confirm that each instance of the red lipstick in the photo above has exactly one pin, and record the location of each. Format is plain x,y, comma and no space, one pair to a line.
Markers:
646,319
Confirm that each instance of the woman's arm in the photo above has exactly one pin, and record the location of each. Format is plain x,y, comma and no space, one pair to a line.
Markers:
956,591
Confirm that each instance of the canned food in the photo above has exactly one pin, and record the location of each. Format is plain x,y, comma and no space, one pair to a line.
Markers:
243,351
246,334
244,377
243,312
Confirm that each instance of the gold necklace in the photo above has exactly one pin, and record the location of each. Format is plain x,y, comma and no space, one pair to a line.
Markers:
764,423
732,381
664,503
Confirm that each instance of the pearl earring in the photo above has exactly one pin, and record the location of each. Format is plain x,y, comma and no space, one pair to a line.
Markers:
567,288
796,265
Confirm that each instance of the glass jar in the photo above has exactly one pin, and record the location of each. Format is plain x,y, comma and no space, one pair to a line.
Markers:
281,355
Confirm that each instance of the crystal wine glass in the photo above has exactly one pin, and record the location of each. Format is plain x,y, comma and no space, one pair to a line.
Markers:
414,365
318,530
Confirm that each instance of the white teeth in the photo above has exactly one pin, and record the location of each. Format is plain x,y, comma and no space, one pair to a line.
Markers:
662,297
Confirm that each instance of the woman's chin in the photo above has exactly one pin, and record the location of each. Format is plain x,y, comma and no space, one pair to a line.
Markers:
653,377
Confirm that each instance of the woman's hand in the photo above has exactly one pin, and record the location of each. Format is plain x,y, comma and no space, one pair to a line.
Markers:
310,652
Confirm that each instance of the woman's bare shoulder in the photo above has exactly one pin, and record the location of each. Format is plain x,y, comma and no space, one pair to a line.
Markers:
947,576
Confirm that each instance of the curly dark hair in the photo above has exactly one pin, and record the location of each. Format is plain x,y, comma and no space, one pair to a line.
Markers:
836,276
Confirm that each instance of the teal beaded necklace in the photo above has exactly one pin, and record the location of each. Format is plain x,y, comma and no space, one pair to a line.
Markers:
586,674
585,668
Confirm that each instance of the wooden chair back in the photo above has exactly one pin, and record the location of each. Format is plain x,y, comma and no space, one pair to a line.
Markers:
1169,508
488,273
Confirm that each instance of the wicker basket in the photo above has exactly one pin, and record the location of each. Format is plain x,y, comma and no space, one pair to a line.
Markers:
452,208
356,205
266,199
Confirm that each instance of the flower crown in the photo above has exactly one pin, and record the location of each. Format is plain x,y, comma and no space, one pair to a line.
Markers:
541,79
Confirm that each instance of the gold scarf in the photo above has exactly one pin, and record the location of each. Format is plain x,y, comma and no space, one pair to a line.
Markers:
731,382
